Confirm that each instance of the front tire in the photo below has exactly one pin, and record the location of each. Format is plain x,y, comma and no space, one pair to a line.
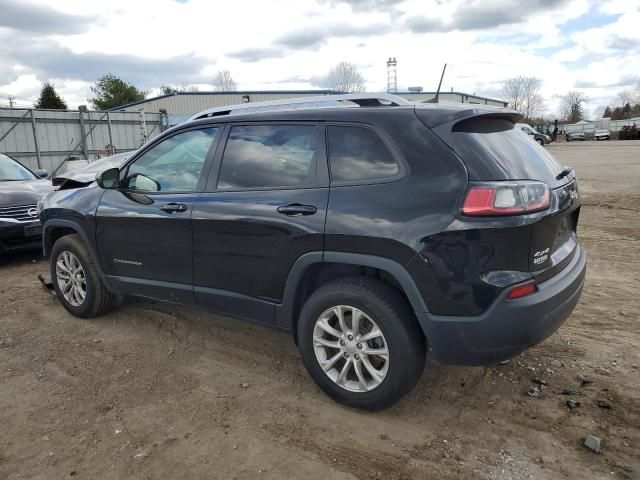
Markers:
76,280
361,343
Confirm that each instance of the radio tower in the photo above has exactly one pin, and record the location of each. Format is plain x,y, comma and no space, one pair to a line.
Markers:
392,76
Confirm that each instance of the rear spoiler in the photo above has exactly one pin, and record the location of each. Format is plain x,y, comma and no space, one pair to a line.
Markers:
433,115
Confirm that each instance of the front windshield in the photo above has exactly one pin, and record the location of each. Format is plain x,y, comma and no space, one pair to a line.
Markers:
10,170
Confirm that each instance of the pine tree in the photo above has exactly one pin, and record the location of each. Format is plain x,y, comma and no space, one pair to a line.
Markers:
111,91
49,98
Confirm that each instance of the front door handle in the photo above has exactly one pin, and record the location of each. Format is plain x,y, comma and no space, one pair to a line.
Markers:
173,207
295,209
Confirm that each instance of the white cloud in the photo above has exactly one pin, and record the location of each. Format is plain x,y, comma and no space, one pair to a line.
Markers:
292,43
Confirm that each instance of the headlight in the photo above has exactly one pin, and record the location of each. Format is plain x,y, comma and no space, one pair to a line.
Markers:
40,206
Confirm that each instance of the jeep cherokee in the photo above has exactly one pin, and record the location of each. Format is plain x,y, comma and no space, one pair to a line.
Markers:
371,232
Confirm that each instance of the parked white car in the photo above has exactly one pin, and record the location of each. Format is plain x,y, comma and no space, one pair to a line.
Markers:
601,135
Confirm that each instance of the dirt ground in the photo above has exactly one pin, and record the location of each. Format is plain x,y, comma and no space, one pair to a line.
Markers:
156,392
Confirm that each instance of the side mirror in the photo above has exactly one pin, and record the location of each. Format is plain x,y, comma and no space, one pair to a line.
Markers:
109,179
41,173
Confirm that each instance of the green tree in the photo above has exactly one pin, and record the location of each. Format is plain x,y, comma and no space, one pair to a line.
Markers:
617,114
49,98
111,91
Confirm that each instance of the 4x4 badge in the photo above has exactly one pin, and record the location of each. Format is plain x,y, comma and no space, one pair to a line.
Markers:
541,256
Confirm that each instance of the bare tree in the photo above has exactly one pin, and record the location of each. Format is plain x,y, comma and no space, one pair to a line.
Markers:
184,87
600,112
224,82
571,105
626,96
345,77
512,93
523,95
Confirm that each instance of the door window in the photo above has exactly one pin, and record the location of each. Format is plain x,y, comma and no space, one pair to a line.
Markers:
357,154
268,156
174,165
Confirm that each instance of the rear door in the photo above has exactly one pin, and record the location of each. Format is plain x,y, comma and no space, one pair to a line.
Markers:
143,230
264,206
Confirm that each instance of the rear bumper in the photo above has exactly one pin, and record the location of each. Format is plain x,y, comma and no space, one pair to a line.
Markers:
16,237
509,326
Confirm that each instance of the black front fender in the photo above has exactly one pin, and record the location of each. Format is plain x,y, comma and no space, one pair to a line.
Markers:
47,243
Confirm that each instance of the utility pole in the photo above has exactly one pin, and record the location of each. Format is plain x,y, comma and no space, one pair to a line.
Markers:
11,99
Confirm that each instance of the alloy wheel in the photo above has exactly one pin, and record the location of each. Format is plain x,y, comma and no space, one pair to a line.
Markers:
351,349
71,278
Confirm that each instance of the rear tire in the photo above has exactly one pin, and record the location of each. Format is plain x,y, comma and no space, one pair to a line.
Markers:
372,381
541,142
76,280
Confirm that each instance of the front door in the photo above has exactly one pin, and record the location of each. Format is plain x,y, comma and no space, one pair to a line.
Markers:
264,207
144,234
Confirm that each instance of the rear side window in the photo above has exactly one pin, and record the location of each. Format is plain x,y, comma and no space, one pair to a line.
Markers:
493,149
268,156
357,153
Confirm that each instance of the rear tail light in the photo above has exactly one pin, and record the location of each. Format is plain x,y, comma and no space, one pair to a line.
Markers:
523,290
506,198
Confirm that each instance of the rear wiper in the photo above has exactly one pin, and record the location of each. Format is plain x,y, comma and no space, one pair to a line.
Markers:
564,173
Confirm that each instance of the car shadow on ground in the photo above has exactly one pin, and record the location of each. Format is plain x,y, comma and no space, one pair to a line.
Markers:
21,258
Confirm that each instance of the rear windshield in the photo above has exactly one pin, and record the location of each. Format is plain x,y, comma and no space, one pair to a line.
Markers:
493,149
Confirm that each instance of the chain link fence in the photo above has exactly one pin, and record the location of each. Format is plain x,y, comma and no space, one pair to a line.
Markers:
47,139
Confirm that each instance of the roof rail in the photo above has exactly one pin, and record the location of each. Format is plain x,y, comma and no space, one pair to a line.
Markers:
323,101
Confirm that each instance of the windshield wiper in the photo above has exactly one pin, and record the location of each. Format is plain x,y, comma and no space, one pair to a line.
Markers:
564,173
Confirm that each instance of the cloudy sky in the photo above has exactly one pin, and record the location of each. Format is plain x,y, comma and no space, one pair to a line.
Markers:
291,44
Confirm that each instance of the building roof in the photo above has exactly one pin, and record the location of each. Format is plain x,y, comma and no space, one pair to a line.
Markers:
232,92
287,92
451,93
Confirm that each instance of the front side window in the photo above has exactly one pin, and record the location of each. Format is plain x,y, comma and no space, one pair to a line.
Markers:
357,154
10,170
268,156
173,165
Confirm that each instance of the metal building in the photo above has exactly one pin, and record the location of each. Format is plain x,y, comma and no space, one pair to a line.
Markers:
180,106
452,97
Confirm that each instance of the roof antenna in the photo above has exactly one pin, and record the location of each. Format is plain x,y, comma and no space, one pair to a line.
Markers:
436,99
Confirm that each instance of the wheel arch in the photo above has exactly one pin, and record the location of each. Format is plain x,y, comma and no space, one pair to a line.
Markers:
55,229
314,269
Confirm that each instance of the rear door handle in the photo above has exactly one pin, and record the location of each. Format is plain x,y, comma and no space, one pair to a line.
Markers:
295,209
173,207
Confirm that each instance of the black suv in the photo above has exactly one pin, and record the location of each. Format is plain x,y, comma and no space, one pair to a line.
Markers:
371,233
